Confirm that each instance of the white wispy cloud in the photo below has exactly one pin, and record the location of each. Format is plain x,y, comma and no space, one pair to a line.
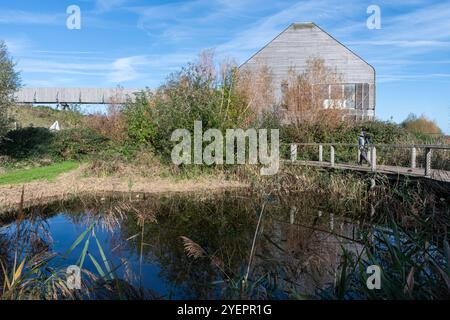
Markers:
72,52
251,39
17,46
30,17
124,69
428,22
412,77
407,36
91,67
149,67
108,5
246,26
403,43
198,19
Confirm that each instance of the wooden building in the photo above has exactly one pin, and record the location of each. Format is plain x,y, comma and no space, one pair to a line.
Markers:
300,42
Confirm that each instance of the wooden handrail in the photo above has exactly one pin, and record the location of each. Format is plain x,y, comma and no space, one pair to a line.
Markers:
372,152
403,146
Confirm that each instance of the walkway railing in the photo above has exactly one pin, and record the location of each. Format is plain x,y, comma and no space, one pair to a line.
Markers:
372,154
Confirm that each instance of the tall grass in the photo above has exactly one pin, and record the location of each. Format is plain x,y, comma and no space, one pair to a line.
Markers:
412,266
31,270
402,227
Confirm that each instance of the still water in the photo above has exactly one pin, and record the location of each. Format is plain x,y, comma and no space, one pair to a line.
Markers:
193,246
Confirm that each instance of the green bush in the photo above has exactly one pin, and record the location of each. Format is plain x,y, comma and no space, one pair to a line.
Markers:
346,132
380,132
75,144
27,143
34,143
193,94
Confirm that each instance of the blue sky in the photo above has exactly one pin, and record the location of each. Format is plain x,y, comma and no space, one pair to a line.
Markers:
137,43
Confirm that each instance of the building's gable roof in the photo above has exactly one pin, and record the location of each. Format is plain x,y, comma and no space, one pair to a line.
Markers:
304,25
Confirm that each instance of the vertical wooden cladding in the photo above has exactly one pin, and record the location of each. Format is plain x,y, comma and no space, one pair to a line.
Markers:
302,41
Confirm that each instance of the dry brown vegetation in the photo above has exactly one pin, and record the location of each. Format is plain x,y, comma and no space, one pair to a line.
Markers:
421,125
303,96
257,87
112,124
75,183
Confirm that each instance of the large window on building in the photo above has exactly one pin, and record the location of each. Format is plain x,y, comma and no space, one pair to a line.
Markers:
346,96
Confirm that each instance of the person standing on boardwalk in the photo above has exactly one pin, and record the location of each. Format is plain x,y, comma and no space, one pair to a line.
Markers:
363,140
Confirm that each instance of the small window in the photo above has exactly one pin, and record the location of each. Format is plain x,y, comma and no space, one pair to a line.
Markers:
349,95
365,99
358,96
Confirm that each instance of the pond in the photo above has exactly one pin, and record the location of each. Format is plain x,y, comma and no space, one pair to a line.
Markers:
227,245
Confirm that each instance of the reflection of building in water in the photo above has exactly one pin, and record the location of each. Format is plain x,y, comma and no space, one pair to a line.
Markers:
308,256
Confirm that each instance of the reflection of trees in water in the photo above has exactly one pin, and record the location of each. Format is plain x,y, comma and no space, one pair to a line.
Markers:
303,258
26,240
297,250
297,258
221,224
30,236
5,257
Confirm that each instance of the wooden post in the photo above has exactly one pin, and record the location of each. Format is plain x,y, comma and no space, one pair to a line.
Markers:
292,214
320,153
374,158
372,187
359,156
293,152
413,157
373,184
332,155
369,154
427,162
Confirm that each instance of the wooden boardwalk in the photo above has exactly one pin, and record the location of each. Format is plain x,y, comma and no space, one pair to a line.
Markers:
439,175
427,172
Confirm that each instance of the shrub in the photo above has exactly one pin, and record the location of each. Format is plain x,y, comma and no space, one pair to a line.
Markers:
27,143
347,132
9,83
303,94
257,87
125,160
111,125
74,144
38,143
196,93
421,126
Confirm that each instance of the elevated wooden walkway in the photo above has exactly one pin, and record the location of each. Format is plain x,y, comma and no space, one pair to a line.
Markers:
74,95
438,174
